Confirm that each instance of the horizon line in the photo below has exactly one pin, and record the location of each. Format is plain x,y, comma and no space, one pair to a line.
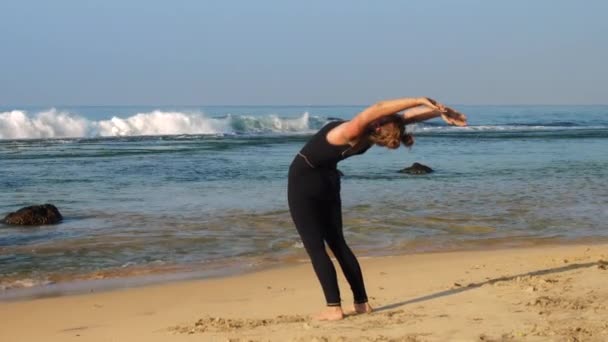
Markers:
285,105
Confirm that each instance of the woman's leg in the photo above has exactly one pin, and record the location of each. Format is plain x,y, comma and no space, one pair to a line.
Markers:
348,262
308,218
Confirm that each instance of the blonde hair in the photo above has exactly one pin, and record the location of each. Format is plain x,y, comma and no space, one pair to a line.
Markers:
390,132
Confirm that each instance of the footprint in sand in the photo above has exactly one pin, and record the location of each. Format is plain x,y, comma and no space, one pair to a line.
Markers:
219,324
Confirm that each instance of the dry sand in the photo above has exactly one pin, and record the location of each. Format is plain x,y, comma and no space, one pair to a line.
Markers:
556,293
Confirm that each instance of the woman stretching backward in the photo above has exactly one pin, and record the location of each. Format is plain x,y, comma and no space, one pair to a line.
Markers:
314,187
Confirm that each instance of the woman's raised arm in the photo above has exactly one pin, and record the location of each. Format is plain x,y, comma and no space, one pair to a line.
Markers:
355,127
420,113
423,113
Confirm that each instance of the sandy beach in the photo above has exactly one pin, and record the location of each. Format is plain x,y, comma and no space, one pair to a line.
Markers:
545,293
168,170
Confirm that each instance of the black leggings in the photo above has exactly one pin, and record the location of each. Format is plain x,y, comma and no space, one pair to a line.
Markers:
315,206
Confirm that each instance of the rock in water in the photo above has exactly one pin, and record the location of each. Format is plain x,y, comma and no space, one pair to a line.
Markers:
34,215
417,169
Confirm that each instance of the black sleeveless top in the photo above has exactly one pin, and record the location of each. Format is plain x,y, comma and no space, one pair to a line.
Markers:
319,153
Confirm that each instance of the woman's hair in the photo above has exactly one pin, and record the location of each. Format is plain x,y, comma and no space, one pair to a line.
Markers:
390,131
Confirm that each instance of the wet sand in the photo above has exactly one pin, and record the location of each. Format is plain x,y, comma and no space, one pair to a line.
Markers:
542,293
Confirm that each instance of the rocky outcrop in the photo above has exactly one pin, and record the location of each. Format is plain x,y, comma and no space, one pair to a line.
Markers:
34,215
417,169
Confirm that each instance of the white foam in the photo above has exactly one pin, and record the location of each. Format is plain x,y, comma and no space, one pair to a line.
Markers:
161,123
270,123
19,124
499,128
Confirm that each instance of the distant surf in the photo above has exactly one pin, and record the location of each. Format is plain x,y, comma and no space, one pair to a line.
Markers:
58,124
48,124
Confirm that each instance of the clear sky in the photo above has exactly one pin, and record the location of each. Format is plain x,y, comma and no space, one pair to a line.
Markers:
204,52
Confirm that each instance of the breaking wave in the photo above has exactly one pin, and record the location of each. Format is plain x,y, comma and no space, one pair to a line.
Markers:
19,124
53,124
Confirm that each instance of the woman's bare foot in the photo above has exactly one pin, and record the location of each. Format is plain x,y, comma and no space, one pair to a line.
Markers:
363,308
331,313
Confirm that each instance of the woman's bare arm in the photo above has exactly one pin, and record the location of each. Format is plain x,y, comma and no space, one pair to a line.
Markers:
423,113
420,113
351,130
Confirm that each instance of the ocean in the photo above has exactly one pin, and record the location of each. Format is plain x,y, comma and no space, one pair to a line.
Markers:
167,192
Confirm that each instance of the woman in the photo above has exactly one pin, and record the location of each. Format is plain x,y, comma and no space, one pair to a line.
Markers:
314,187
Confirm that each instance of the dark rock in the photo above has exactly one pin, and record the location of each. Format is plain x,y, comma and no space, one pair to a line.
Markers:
417,169
34,215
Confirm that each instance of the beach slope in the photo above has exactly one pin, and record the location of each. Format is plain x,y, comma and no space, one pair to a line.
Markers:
543,293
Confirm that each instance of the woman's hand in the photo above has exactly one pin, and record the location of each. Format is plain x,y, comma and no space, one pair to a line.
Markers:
453,117
427,101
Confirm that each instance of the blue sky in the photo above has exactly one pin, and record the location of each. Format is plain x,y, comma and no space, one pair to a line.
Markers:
302,52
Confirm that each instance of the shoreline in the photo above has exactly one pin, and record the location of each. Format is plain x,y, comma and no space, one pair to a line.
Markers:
137,278
536,293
